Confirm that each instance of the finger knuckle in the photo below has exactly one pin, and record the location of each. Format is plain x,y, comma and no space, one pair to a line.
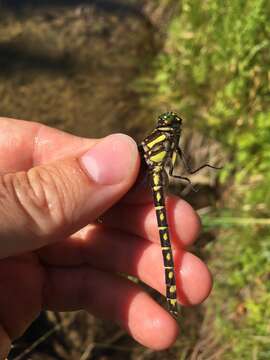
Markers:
40,195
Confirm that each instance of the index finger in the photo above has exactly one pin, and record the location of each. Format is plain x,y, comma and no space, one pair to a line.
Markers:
25,144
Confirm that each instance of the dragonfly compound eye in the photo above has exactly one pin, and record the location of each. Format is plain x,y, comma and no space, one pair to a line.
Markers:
169,119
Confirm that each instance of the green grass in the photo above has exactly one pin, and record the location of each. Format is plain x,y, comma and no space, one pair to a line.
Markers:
240,301
215,70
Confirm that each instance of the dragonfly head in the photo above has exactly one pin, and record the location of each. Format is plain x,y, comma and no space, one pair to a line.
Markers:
170,119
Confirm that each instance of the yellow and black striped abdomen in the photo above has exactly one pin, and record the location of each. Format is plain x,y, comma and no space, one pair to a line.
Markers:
157,151
157,183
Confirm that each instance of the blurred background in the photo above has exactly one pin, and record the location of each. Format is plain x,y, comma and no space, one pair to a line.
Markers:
96,67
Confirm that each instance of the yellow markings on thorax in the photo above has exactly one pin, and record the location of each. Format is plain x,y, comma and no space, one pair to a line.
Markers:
158,157
156,141
174,157
165,128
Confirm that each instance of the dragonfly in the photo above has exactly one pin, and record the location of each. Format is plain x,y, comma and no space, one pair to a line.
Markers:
159,150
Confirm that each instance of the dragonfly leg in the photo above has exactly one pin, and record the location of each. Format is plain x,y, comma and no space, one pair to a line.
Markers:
181,177
187,166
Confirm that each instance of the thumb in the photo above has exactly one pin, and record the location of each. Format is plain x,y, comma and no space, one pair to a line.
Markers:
52,201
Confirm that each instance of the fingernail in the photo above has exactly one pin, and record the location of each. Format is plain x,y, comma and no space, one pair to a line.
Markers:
111,160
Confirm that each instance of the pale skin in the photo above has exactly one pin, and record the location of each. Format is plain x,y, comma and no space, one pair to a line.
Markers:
52,186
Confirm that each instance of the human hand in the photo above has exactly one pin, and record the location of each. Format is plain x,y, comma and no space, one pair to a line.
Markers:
52,186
